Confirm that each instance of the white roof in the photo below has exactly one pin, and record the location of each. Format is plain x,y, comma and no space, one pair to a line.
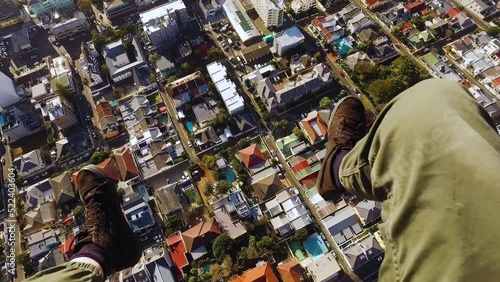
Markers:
289,37
161,11
239,19
233,101
324,269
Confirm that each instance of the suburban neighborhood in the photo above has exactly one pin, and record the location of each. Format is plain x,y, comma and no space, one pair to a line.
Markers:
212,116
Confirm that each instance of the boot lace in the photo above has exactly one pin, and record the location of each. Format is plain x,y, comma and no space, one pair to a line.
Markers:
347,132
95,216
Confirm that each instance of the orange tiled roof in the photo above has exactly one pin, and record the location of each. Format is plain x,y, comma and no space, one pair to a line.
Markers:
201,234
263,273
290,271
453,12
322,127
178,252
416,6
496,81
110,169
126,163
407,26
371,2
252,156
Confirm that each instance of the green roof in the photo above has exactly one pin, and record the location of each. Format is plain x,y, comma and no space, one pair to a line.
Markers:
243,22
426,36
285,144
62,79
430,59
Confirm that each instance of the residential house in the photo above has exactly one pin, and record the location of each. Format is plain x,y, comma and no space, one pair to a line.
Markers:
267,184
77,25
440,29
359,22
314,127
262,272
60,112
365,256
324,269
41,216
492,47
204,113
164,67
439,7
462,45
373,4
227,89
53,258
300,6
107,119
29,163
440,67
367,35
355,58
241,123
297,64
127,168
184,89
287,212
198,237
124,59
167,200
368,212
38,193
178,251
255,52
253,158
229,210
63,188
280,92
459,19
290,270
343,225
89,68
479,8
210,8
305,167
110,169
327,29
138,213
20,120
415,7
287,40
158,264
382,53
287,143
38,240
206,137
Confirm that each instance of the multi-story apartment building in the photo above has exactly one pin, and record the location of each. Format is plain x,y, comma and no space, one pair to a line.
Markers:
119,8
270,11
8,93
42,7
162,23
9,13
60,112
19,122
300,6
77,25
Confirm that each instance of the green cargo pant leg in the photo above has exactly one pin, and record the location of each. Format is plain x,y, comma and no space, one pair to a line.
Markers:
433,158
69,271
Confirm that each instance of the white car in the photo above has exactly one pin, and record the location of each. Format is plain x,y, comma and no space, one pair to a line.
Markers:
72,161
2,160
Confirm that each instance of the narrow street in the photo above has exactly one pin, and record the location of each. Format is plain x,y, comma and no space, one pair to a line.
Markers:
480,22
271,143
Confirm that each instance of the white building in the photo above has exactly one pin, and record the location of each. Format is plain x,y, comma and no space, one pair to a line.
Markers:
300,6
287,40
478,7
233,101
17,123
8,93
271,12
324,269
77,25
240,21
162,23
60,112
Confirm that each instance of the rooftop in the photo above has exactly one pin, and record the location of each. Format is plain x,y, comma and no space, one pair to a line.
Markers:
239,19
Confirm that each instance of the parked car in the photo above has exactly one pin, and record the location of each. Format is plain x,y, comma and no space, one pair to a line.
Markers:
45,173
72,161
2,160
86,155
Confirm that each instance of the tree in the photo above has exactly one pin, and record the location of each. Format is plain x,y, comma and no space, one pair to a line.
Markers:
185,68
173,223
383,90
221,119
45,155
209,161
325,103
215,54
282,123
154,57
104,69
98,157
208,188
126,30
317,56
223,187
419,22
152,77
243,143
398,33
365,46
237,165
84,5
63,92
223,245
212,88
301,235
98,40
24,259
266,116
493,31
366,69
120,192
78,210
343,93
298,132
118,92
407,71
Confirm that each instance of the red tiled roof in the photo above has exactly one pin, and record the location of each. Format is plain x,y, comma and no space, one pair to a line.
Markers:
496,81
425,12
300,166
263,273
310,178
290,271
178,252
453,12
415,7
407,26
252,156
318,20
66,247
103,109
371,2
110,169
126,163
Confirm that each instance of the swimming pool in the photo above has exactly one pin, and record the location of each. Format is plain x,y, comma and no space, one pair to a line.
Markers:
189,126
230,176
315,246
296,251
2,121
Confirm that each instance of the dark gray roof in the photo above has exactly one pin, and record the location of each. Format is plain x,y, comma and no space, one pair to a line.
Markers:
362,252
369,210
342,224
8,11
117,59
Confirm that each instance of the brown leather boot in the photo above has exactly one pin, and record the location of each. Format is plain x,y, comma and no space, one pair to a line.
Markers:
346,127
105,225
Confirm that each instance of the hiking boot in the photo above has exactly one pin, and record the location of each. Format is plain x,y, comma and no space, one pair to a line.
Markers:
346,127
105,224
